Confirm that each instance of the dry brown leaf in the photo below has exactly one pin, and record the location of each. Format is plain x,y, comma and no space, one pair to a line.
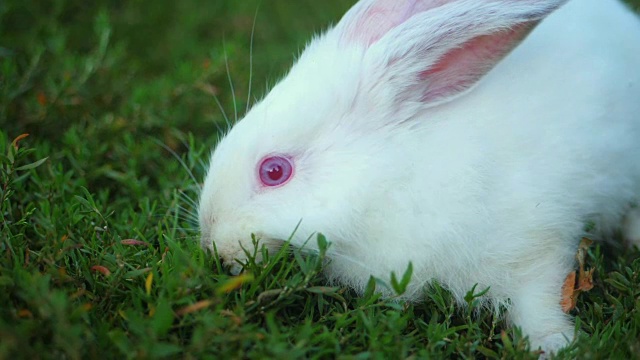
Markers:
134,242
577,282
585,283
584,246
101,269
17,140
24,313
202,304
568,289
42,98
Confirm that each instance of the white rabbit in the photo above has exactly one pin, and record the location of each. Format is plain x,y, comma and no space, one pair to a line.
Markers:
416,131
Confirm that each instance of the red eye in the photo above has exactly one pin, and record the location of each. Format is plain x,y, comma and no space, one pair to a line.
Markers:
275,170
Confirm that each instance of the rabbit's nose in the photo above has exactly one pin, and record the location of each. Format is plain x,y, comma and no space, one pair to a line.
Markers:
232,265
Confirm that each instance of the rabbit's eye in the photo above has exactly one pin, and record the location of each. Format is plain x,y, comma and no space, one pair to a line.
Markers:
275,170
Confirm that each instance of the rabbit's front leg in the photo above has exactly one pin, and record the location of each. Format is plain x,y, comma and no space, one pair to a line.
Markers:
535,305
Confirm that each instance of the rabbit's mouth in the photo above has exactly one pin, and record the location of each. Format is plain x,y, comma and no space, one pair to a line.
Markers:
234,259
233,267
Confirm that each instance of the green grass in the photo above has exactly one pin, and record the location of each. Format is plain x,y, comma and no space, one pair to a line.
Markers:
105,91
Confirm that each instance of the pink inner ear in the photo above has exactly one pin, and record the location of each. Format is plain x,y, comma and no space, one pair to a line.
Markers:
383,15
463,66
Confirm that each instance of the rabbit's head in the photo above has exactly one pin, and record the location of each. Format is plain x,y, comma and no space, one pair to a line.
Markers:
321,151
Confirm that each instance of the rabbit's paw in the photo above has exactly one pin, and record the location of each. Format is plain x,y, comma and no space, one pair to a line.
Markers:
552,343
537,311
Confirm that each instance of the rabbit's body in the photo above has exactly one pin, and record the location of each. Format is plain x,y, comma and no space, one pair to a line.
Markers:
539,166
491,186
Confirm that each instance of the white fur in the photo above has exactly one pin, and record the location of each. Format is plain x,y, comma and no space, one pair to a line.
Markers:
490,184
631,227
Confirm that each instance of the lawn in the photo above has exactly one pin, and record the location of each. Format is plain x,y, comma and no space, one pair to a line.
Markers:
99,254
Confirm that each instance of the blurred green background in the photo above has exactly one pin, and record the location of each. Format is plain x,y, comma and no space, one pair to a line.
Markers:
145,67
118,72
152,63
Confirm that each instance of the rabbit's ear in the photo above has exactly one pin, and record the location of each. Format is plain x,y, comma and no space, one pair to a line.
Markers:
430,51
